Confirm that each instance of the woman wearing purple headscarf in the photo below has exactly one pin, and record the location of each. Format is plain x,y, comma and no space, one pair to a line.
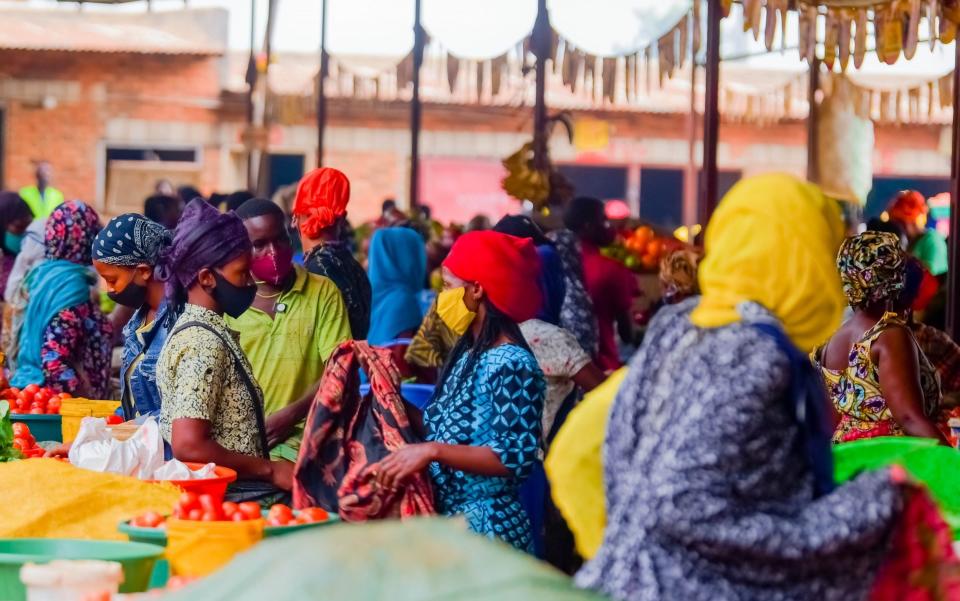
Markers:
212,407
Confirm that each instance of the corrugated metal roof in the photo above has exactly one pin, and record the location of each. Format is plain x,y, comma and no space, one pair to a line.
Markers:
197,32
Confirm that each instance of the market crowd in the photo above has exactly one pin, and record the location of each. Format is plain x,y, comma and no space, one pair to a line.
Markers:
687,446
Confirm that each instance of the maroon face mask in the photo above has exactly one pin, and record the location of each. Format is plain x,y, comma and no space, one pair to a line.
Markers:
273,268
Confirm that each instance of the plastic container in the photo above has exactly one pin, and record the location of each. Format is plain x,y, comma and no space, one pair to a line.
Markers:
74,410
71,580
200,548
272,531
216,486
150,536
137,560
851,458
418,395
42,427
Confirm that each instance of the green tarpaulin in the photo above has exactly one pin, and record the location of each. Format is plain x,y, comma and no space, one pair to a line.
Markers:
425,559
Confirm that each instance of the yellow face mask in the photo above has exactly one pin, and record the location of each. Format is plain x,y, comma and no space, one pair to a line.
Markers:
453,311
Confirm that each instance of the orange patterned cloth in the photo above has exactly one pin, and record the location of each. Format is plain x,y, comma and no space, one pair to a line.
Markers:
345,433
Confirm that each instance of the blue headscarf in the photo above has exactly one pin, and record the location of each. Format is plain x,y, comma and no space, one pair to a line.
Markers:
60,282
130,240
397,271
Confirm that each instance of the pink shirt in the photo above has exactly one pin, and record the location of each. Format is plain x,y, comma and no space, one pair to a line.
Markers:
612,287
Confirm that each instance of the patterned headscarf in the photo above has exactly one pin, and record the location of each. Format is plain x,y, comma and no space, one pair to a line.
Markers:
130,240
872,268
70,231
204,238
678,273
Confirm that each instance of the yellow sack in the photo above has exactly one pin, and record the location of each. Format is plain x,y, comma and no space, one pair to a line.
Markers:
200,548
575,466
47,498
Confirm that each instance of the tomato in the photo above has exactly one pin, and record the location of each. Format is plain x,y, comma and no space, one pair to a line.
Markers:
35,453
113,420
43,396
250,510
281,512
151,519
28,397
19,429
195,515
36,411
27,439
22,405
276,522
53,406
237,516
229,508
18,444
209,503
210,516
314,514
188,502
66,395
32,389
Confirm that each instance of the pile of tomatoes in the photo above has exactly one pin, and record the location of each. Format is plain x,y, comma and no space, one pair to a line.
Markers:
24,441
208,508
34,400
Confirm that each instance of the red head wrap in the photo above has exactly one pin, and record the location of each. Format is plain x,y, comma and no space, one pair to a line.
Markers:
908,206
507,267
321,199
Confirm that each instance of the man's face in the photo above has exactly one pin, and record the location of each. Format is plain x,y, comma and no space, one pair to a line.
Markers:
44,173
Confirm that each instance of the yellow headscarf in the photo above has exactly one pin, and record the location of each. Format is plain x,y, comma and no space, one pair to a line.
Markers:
773,240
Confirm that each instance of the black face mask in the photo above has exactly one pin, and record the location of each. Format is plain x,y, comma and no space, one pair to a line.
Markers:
234,300
134,295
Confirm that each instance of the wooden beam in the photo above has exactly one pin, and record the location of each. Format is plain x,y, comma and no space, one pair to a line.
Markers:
419,36
541,50
813,121
711,114
321,78
953,275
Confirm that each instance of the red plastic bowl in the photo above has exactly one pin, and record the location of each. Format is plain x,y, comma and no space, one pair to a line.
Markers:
216,486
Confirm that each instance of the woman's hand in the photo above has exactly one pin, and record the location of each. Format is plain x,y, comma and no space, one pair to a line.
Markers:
404,463
59,451
281,474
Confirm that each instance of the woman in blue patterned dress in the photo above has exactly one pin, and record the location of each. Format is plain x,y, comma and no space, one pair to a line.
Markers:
483,426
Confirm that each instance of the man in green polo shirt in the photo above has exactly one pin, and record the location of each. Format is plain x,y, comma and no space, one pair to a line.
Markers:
909,211
296,321
42,198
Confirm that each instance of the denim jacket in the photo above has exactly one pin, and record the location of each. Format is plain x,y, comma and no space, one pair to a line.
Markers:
145,397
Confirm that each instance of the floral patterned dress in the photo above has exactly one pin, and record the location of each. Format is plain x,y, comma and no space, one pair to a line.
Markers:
856,393
76,351
497,403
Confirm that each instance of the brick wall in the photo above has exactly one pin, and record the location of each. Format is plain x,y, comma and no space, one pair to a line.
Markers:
101,87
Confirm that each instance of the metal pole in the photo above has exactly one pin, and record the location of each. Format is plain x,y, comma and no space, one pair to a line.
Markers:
415,108
251,86
541,50
263,177
711,113
813,121
321,77
953,275
690,176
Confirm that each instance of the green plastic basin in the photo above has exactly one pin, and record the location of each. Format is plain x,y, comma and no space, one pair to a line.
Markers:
851,458
137,560
43,427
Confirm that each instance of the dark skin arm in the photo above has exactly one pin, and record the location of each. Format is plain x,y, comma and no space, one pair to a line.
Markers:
896,356
192,440
589,377
413,458
280,425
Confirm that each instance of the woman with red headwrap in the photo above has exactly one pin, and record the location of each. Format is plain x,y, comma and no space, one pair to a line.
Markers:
909,210
483,426
320,213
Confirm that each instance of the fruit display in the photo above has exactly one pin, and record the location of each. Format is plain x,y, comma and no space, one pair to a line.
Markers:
24,441
34,400
208,508
523,181
640,249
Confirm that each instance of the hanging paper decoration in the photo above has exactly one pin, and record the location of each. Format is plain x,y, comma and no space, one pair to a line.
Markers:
845,146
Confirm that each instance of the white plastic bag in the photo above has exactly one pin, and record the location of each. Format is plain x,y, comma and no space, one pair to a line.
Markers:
140,456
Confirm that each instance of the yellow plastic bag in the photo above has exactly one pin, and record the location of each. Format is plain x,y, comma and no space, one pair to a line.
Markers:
575,466
200,548
72,412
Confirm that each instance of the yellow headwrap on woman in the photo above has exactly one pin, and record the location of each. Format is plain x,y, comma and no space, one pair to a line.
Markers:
773,240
